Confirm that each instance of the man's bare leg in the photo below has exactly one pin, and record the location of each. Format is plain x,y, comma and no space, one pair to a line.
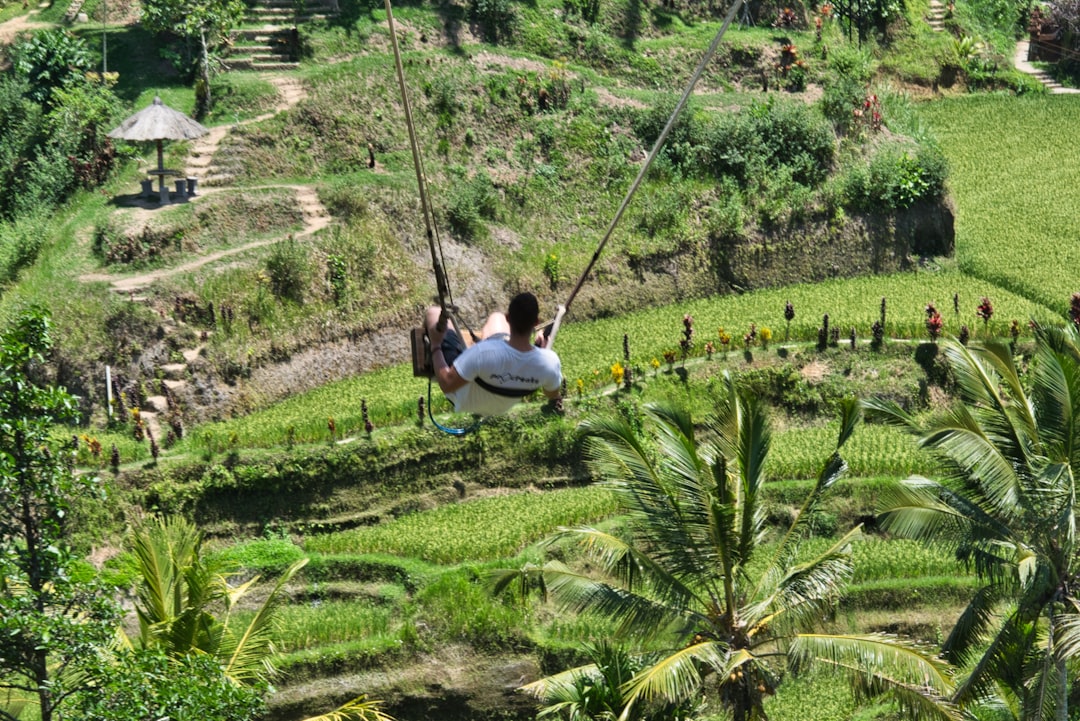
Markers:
496,323
431,319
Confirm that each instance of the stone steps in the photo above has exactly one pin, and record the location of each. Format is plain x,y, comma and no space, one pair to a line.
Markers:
935,18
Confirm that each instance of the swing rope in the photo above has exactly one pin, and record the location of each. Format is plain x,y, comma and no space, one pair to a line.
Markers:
655,149
446,301
434,240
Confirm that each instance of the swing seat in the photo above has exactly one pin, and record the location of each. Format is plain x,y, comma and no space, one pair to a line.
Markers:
421,354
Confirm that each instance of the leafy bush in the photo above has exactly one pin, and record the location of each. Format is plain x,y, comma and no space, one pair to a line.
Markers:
496,18
115,245
842,96
147,684
895,179
469,203
19,245
287,267
767,136
50,59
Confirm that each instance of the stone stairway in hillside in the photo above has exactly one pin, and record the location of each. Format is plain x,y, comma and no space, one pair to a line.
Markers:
270,41
1020,60
935,18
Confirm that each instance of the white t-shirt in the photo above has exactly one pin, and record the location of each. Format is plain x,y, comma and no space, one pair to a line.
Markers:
503,366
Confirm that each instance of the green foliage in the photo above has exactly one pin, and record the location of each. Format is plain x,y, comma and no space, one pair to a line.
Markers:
327,622
53,624
895,179
1016,229
448,534
184,602
202,21
458,608
147,684
115,245
50,59
686,574
48,148
263,556
20,242
469,203
768,136
1007,505
496,18
287,267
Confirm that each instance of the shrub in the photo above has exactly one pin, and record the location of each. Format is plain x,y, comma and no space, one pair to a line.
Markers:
896,179
150,684
19,245
768,136
114,245
50,59
287,267
469,203
496,18
841,97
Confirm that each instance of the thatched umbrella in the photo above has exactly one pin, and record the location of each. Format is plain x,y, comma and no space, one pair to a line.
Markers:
158,122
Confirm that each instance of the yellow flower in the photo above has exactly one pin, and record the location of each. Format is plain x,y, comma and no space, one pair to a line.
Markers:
655,363
580,386
617,372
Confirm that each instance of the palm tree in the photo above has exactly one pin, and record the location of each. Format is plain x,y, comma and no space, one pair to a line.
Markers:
179,591
686,580
1007,502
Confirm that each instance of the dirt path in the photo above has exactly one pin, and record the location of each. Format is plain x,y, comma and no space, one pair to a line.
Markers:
315,218
199,164
14,26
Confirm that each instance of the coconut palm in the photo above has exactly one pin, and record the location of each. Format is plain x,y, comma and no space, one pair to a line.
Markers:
184,601
686,580
1006,500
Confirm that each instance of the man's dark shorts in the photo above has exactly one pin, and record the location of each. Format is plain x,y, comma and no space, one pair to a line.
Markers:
453,344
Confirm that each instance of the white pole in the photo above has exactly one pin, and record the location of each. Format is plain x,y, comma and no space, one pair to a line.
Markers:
108,388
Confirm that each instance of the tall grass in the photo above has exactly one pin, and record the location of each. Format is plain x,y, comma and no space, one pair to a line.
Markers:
325,623
1017,188
482,529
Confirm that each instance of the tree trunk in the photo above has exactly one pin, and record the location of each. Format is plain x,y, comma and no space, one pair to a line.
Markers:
1061,710
202,94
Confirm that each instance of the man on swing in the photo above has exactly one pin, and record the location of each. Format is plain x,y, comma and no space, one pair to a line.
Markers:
490,377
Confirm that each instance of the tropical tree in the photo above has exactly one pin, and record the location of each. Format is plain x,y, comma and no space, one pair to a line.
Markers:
685,580
52,625
1006,501
179,589
207,22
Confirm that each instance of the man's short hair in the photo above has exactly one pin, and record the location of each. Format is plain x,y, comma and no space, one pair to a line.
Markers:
523,314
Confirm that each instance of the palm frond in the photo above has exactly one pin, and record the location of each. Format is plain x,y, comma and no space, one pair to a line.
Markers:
890,413
970,629
498,580
915,509
668,498
1009,646
674,677
807,588
1056,395
631,611
359,709
247,655
1067,636
884,664
989,463
850,415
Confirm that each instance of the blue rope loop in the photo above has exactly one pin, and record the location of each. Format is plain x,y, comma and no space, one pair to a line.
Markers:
447,429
